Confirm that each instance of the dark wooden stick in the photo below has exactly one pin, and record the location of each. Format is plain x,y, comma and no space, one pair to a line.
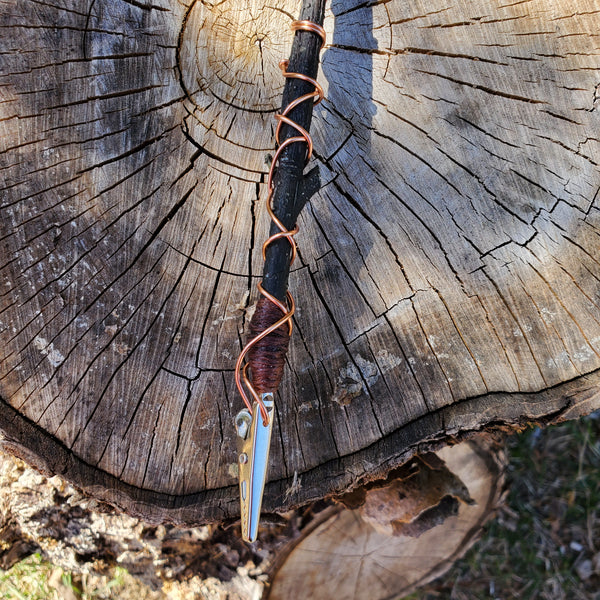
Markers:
292,189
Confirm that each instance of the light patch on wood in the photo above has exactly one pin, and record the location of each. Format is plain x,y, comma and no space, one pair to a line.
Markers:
355,377
122,349
111,329
55,358
241,305
233,469
350,384
295,487
387,361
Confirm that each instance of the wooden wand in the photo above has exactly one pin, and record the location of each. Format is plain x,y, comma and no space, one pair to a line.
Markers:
259,368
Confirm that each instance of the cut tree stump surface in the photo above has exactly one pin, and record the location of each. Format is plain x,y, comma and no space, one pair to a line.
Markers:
448,277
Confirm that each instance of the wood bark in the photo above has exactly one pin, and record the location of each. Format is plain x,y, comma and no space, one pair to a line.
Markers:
89,540
448,277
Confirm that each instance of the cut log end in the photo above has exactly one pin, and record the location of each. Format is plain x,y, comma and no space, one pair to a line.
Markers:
406,532
447,278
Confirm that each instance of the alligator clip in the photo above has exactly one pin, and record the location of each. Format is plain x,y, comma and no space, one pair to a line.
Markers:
254,439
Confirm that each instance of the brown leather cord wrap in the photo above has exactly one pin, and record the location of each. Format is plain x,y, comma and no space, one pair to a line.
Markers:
267,356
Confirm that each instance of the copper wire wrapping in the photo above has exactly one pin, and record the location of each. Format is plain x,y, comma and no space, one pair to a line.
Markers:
267,366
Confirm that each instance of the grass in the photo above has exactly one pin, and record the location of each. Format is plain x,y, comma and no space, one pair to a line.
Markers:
545,543
28,579
34,578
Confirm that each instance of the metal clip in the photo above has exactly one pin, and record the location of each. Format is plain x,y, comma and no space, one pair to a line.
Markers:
254,439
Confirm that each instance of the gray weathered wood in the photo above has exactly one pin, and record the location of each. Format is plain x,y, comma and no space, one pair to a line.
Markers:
448,277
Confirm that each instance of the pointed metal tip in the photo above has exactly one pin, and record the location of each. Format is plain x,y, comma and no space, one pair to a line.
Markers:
254,439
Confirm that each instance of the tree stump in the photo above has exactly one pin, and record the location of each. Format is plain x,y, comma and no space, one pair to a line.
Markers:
448,280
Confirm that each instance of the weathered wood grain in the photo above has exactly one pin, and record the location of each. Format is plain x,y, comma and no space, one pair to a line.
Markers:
448,275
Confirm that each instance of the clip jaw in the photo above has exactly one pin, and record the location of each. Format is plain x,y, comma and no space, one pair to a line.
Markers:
254,439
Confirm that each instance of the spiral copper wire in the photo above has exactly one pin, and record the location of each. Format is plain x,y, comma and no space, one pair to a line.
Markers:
241,370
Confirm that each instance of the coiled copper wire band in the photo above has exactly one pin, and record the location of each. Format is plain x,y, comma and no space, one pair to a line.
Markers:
268,368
